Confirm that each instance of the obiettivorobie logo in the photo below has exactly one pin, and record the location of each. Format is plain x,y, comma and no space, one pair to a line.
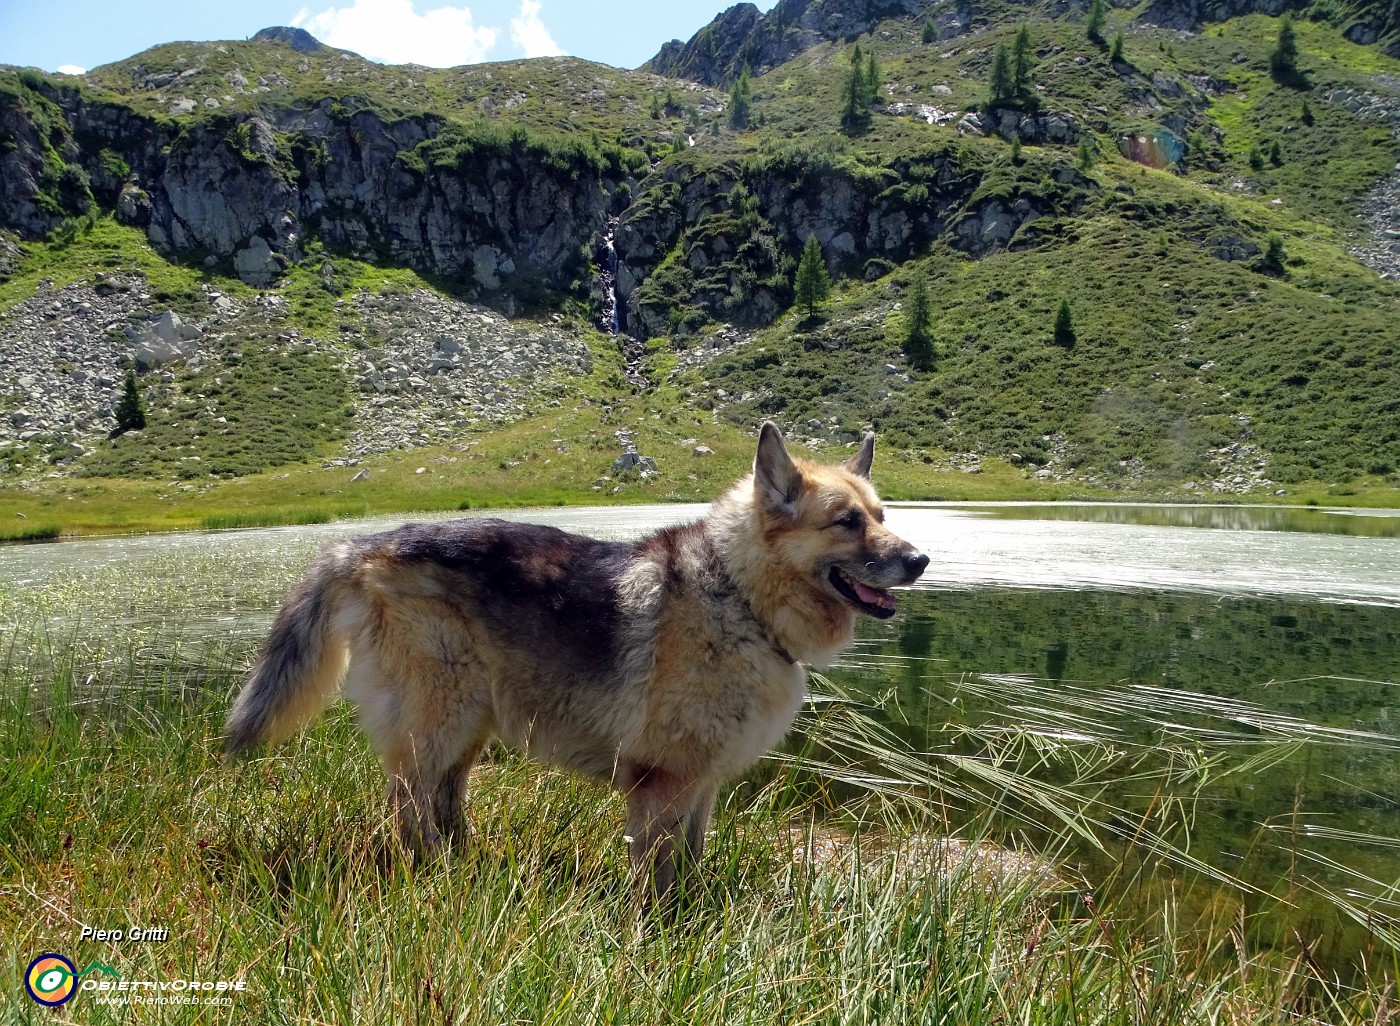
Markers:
52,980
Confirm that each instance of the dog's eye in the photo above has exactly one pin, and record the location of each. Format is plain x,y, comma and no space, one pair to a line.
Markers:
854,519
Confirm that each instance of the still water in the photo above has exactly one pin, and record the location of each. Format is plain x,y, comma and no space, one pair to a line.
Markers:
1262,643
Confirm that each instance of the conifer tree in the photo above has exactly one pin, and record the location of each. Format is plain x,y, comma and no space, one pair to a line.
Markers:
1001,86
872,79
1064,326
861,91
1021,64
812,284
1084,156
740,98
929,34
1115,52
1283,59
918,340
130,411
1093,23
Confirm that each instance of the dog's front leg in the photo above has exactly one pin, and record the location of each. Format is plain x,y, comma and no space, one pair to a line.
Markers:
664,813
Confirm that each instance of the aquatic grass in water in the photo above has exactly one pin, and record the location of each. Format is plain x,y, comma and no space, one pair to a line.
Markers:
278,517
1125,784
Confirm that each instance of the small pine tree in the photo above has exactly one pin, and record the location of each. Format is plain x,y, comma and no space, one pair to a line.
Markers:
1093,23
1016,150
1021,64
873,79
855,115
1275,153
1283,59
1275,257
1064,326
929,34
1002,89
1115,52
862,90
1256,158
655,107
1084,156
740,98
918,318
812,284
1307,115
130,411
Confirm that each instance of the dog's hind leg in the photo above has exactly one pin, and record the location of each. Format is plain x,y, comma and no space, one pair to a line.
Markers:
428,772
428,728
448,812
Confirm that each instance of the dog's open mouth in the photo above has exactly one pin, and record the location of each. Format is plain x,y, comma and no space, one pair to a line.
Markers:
873,601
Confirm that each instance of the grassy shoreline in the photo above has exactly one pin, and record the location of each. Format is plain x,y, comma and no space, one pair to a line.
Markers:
524,465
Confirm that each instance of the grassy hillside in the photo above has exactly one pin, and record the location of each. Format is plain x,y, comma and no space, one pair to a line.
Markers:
1199,365
551,95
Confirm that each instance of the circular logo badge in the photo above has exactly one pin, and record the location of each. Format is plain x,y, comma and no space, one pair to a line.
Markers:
51,980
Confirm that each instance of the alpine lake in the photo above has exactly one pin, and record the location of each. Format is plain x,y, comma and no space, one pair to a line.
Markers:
1194,698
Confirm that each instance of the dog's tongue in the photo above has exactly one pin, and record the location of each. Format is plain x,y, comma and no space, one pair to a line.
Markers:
872,596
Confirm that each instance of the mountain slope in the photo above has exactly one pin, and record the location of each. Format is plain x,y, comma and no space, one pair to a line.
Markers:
1145,189
742,36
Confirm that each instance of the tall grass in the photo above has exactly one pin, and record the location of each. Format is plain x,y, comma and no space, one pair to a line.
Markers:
277,517
24,532
264,518
848,880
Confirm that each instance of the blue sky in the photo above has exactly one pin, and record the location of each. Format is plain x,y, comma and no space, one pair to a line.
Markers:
71,34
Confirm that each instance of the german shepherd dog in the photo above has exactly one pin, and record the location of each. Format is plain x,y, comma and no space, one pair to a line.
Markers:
664,666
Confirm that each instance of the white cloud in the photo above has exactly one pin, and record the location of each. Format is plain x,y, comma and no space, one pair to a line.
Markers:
71,69
529,33
392,31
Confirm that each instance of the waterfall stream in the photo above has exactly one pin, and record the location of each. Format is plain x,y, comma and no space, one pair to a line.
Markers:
614,315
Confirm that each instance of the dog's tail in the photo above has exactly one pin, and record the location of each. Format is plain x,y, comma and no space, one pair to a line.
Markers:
299,670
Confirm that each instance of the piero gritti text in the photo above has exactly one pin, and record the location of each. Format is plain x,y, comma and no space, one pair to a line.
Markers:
131,935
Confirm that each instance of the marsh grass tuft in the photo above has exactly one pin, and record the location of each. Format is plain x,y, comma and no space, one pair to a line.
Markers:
23,532
264,518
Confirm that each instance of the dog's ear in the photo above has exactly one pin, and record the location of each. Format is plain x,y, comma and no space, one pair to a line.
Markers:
859,464
775,476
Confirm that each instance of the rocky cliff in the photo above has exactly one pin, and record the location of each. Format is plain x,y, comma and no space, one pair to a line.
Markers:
743,37
501,216
496,214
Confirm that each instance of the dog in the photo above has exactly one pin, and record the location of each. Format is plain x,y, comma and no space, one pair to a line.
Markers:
665,666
